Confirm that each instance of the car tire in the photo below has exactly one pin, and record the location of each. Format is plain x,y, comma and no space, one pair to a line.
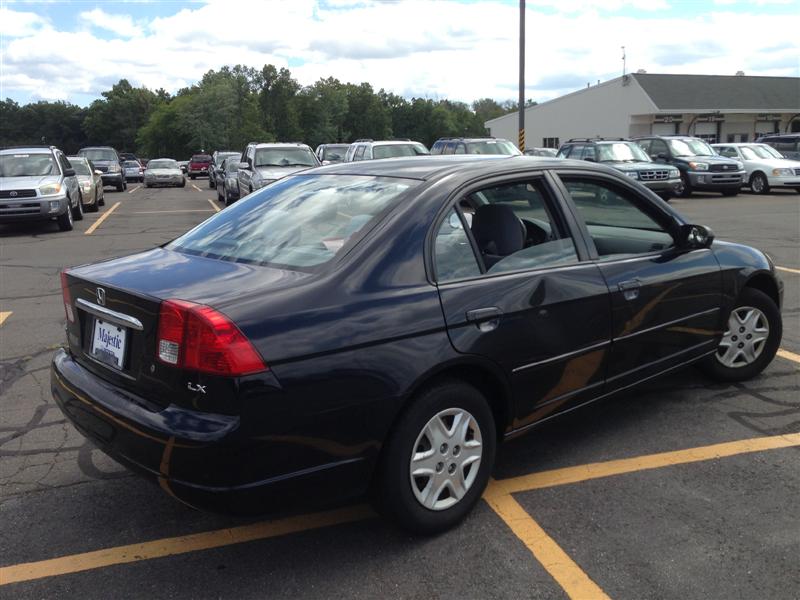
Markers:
454,475
120,186
65,221
731,192
220,196
686,190
182,183
94,206
759,184
191,177
77,212
211,183
102,201
753,313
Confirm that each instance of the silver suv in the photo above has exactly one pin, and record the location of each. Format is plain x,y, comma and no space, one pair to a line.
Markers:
263,163
38,183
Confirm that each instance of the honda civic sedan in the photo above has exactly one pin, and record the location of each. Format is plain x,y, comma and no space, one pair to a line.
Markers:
381,326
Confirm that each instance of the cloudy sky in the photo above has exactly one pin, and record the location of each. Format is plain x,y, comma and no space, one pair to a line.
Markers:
457,49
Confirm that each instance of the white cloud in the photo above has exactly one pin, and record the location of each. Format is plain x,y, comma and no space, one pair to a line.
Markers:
445,49
15,23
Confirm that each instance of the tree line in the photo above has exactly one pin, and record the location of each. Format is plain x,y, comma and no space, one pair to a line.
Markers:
230,107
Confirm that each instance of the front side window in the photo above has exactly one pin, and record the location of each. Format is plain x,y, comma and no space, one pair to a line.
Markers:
616,223
300,222
730,152
454,256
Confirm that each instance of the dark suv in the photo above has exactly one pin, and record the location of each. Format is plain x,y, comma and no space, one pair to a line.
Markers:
451,145
700,166
628,157
106,160
787,144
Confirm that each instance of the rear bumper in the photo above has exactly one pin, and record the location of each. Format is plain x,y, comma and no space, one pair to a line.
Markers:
204,460
112,178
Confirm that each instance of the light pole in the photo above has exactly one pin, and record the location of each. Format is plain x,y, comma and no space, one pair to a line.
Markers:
521,75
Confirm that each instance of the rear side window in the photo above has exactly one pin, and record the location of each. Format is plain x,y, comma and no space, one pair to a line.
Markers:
299,222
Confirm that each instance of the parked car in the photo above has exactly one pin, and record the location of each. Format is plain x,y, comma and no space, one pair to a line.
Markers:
628,157
263,163
215,168
126,156
700,167
90,183
106,160
384,325
451,145
765,167
329,154
228,188
366,149
787,144
133,170
545,152
198,165
163,171
184,165
38,183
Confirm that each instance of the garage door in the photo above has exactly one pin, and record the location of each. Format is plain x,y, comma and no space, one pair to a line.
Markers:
663,129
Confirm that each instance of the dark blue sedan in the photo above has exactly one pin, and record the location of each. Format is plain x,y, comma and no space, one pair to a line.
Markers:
382,325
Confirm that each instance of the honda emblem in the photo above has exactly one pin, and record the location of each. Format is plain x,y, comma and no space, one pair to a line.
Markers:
101,296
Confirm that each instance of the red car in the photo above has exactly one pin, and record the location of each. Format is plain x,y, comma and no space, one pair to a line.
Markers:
198,165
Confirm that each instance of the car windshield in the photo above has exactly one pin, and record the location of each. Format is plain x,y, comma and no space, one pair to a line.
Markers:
95,154
491,147
334,153
162,164
285,157
397,150
621,152
690,148
300,222
80,166
232,163
766,151
27,165
129,164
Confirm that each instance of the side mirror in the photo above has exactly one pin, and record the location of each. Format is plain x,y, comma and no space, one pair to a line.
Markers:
243,165
694,237
69,172
98,172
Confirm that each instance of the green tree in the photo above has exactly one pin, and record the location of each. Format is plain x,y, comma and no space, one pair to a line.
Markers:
115,119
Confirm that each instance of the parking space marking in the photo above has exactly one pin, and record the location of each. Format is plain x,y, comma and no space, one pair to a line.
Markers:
213,205
102,218
134,189
158,212
575,582
576,474
4,314
197,188
788,270
180,545
789,355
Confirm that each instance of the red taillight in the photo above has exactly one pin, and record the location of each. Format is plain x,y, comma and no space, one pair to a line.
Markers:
197,337
67,298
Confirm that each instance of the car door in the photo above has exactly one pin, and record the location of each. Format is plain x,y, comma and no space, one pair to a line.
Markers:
514,290
665,300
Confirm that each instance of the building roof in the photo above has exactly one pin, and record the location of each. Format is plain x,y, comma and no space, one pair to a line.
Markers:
721,92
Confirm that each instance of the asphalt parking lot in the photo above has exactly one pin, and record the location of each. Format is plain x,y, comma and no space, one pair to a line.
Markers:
681,489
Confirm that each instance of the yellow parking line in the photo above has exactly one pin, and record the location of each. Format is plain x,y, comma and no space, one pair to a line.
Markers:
158,212
789,355
545,479
102,218
4,314
788,270
179,545
213,205
197,188
134,189
575,582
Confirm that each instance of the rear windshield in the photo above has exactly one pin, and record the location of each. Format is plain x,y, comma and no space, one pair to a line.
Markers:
334,153
397,150
95,154
299,222
131,163
201,158
80,166
491,147
27,165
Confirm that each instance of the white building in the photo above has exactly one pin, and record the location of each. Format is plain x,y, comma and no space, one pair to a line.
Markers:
718,108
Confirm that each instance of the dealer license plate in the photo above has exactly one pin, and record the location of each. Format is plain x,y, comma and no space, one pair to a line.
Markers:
108,343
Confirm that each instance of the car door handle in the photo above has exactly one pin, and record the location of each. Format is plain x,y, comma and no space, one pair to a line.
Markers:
630,289
486,319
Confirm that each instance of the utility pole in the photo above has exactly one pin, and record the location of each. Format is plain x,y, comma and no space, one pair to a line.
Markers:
521,75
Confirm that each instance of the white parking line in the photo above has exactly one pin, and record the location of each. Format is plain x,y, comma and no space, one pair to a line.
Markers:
158,212
213,205
197,188
134,189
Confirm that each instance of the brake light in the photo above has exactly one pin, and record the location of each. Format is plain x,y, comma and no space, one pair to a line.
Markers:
197,337
67,298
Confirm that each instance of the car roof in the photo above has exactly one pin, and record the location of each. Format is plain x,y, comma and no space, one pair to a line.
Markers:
431,167
27,150
279,145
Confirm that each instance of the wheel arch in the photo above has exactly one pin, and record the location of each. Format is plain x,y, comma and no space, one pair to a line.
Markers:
754,173
765,283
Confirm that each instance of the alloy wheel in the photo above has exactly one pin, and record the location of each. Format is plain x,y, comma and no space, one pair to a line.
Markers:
745,337
445,459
